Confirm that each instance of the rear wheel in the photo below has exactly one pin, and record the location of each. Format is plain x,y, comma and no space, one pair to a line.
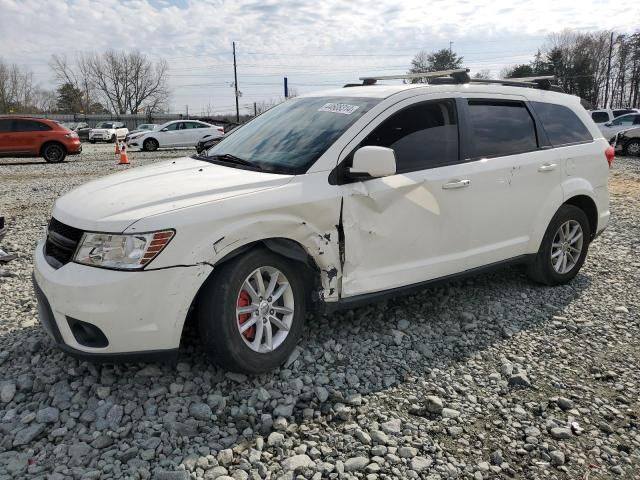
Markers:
113,139
632,148
92,141
251,312
564,247
150,145
54,152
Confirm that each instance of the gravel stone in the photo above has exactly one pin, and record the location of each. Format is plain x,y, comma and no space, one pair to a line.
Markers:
535,374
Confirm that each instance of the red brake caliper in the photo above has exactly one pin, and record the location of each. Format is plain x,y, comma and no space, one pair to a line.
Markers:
244,300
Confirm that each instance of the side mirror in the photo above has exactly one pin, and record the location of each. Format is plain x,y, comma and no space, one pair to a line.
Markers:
164,130
608,124
374,162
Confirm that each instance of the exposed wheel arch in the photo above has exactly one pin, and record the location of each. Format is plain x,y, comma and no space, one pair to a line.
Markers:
588,206
284,247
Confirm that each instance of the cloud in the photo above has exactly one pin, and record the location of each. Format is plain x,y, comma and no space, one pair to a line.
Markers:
290,37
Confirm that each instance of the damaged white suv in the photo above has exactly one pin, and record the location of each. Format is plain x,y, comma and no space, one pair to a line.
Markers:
326,201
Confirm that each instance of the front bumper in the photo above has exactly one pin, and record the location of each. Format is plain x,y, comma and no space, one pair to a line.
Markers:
140,313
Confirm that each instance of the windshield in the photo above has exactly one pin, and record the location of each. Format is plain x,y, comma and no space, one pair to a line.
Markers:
293,135
105,125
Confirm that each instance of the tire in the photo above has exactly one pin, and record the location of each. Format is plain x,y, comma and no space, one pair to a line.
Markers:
113,139
546,270
150,145
632,148
92,141
54,152
219,322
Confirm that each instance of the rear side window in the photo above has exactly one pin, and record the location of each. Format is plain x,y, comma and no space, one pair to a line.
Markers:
621,111
625,120
424,135
29,126
563,127
5,125
501,128
600,117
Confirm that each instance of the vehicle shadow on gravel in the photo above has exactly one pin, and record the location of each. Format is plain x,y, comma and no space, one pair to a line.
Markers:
157,408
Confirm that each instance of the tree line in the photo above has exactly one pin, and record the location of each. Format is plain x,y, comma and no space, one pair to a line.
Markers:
109,82
599,67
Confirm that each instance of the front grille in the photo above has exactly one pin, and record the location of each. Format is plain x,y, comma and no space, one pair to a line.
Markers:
61,244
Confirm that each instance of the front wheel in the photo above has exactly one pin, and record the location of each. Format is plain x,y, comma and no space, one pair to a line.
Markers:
632,148
563,248
251,312
150,145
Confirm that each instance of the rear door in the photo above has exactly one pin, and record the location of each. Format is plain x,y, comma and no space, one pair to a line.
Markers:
512,172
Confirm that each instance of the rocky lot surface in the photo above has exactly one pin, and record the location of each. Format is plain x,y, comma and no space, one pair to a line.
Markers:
492,377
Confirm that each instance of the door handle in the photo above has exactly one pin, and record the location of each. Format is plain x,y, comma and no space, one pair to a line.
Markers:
456,184
547,167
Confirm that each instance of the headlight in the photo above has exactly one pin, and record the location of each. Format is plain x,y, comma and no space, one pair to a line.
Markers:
121,252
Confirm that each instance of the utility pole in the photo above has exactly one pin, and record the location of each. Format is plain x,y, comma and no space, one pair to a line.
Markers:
606,88
187,111
286,87
450,47
235,83
255,109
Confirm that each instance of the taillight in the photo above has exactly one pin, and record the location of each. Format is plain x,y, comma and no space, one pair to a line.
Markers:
220,129
610,153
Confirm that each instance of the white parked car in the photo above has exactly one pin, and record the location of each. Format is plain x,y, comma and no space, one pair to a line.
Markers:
177,133
145,127
329,200
607,115
108,132
619,124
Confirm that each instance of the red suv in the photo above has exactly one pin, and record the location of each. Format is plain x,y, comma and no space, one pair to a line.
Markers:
37,137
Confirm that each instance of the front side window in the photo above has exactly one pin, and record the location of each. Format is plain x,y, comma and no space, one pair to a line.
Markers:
600,117
500,128
561,124
173,126
291,136
424,135
5,125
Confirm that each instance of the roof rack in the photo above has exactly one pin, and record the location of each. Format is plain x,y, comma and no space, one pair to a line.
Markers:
461,75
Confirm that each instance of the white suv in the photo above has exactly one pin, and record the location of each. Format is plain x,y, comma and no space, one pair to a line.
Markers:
108,132
326,201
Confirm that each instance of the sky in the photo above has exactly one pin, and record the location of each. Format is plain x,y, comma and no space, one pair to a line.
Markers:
316,44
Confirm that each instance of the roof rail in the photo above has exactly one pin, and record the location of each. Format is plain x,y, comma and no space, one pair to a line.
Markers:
461,75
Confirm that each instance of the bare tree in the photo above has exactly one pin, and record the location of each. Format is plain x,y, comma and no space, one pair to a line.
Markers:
484,74
76,75
128,82
16,89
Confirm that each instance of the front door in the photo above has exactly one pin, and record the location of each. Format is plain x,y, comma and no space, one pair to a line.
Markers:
412,226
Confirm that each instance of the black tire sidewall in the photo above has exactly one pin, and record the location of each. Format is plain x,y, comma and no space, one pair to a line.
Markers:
564,214
150,145
63,153
626,148
217,313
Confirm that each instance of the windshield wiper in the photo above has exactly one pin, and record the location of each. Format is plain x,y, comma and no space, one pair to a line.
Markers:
227,157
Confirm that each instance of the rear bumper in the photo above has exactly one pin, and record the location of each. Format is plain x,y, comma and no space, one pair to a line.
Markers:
141,314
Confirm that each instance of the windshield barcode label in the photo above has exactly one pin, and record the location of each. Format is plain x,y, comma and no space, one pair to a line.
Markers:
343,108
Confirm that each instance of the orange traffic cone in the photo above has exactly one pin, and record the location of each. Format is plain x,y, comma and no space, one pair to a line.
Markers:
117,149
124,158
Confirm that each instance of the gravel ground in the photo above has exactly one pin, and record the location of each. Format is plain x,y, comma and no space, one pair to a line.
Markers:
493,377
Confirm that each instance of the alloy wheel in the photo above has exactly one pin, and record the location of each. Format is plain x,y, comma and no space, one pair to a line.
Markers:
264,309
567,247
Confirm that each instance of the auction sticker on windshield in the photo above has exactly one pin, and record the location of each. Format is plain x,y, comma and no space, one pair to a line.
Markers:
343,108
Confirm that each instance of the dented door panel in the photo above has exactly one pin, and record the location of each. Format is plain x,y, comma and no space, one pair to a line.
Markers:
404,229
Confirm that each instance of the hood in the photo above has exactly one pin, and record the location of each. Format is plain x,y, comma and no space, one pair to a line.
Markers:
112,203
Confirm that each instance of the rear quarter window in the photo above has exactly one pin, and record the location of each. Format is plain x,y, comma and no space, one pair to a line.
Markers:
561,124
